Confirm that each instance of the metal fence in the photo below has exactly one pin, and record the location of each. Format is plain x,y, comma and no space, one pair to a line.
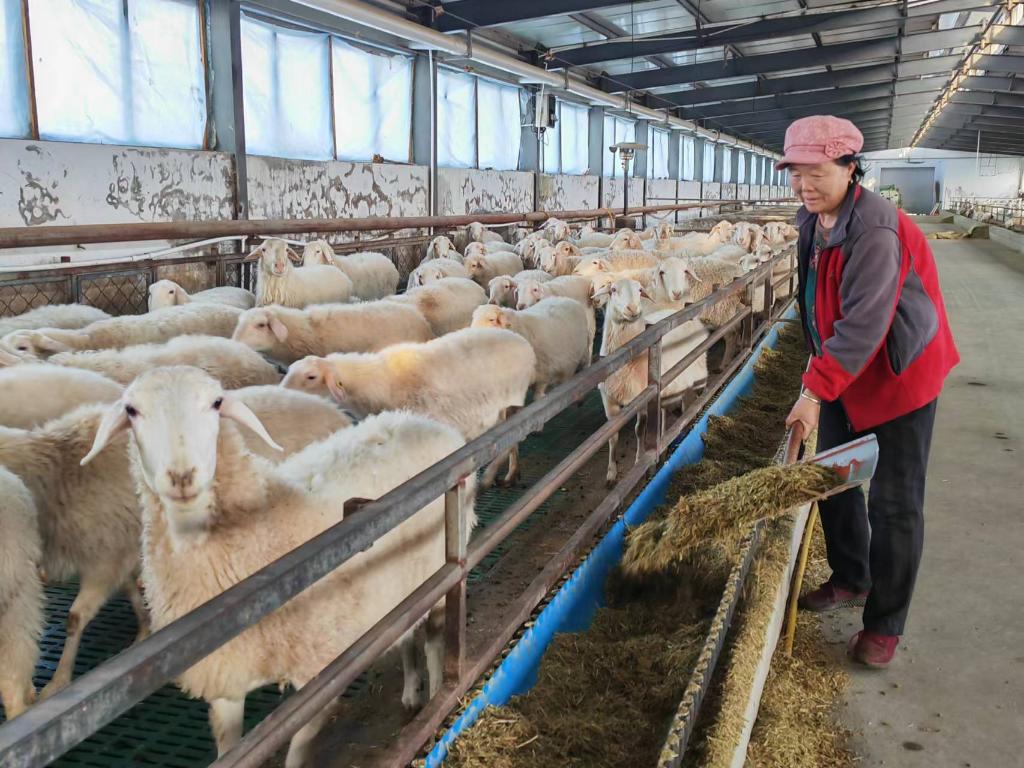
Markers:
56,725
1007,212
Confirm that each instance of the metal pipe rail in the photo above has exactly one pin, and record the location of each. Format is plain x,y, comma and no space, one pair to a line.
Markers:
54,726
30,237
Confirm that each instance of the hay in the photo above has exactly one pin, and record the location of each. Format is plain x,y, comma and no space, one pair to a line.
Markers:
703,532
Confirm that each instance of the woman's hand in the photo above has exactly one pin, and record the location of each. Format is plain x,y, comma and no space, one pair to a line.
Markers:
805,411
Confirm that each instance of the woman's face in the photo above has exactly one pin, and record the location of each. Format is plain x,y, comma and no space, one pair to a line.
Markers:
821,187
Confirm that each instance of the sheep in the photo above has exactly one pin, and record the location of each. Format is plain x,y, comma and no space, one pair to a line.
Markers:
503,290
34,394
557,229
579,289
6,359
434,270
373,274
295,419
481,249
615,261
730,252
468,379
723,230
446,304
477,232
710,275
215,513
560,260
590,238
127,330
441,247
287,334
626,239
748,236
233,364
556,329
52,316
278,281
519,234
167,293
483,268
778,233
88,518
624,321
21,594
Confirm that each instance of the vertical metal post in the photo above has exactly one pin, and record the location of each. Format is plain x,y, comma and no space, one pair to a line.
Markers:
238,104
750,324
433,134
654,423
456,541
769,298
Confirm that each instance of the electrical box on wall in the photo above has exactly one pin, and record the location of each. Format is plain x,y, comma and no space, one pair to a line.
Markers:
546,113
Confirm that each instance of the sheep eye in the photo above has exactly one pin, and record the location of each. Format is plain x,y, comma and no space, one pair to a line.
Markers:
23,349
131,411
311,377
218,403
261,325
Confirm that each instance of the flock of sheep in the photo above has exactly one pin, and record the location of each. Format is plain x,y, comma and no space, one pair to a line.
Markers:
230,465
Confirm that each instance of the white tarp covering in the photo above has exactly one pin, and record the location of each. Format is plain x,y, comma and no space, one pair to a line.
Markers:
657,155
575,138
13,82
500,126
687,159
726,165
708,167
616,130
456,120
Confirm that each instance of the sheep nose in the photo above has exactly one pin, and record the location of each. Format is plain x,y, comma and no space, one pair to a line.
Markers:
182,480
677,295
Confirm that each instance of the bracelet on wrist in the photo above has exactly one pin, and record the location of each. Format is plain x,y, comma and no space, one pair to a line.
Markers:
812,398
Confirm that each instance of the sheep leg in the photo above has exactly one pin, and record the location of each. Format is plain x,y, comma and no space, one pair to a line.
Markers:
434,647
610,411
298,749
139,607
226,722
17,695
90,598
639,429
513,467
412,672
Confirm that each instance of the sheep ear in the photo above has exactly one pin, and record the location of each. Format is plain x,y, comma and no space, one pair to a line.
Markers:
48,344
237,411
279,329
693,275
293,255
604,290
179,296
644,294
113,423
255,254
335,387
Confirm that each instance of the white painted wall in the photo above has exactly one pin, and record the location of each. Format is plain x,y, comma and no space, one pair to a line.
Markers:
960,174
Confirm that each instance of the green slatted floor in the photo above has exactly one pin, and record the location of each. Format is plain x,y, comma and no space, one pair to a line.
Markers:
170,730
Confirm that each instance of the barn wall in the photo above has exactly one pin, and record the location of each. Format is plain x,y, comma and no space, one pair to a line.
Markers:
556,192
467,191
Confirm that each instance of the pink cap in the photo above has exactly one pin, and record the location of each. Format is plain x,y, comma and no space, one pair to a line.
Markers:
818,139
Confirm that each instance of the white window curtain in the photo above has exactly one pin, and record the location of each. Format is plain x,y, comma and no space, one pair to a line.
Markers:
726,165
14,120
286,92
372,103
616,130
741,169
755,168
501,125
575,138
657,155
708,168
119,72
456,119
687,159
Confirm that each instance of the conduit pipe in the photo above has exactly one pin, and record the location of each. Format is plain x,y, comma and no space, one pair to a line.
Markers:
465,47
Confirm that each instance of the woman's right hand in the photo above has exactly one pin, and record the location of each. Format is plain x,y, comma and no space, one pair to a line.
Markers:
805,411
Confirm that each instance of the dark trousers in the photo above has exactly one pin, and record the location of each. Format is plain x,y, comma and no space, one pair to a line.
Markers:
878,545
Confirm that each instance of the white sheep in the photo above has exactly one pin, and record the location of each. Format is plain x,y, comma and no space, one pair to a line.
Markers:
232,364
494,246
373,274
748,236
579,289
559,260
502,290
446,304
615,261
286,334
557,230
34,394
477,232
21,594
441,247
215,513
436,269
469,379
152,328
88,518
623,321
295,419
779,234
167,293
483,269
279,281
626,239
52,316
519,234
591,238
556,329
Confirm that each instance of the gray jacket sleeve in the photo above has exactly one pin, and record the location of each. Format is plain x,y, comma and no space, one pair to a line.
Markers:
868,294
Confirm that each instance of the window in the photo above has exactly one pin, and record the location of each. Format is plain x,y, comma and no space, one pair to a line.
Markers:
616,130
286,92
741,169
500,125
372,103
13,78
567,145
113,71
687,158
657,155
707,171
726,165
456,119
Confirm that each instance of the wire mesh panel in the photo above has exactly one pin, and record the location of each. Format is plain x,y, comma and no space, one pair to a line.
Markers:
117,293
20,296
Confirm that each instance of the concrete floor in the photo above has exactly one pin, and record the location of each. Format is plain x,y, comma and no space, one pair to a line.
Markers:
954,697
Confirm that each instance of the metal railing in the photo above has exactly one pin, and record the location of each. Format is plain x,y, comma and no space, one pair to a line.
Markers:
1007,212
54,726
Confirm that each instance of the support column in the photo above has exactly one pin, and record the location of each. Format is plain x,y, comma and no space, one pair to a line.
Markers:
424,121
226,131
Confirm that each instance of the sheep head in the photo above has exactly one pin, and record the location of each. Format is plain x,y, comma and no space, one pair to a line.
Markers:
592,266
439,247
175,415
275,257
166,293
490,316
260,329
474,249
318,252
310,374
475,231
528,293
34,344
502,290
475,265
565,248
674,276
624,300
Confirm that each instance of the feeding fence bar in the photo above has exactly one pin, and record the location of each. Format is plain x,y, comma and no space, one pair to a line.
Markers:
56,725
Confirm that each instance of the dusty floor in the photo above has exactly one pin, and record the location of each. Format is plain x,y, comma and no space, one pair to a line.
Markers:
954,697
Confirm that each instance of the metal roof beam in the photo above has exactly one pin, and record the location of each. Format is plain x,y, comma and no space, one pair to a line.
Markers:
792,113
461,15
1006,34
950,6
1001,62
939,39
827,96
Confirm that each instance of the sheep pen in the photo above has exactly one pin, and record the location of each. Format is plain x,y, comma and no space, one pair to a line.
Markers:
605,697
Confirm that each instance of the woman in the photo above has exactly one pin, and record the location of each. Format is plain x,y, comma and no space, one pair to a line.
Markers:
881,348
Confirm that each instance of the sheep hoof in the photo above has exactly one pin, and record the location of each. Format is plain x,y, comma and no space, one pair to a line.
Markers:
506,482
52,687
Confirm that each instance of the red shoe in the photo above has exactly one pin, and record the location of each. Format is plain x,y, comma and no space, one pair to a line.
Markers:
829,596
872,649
